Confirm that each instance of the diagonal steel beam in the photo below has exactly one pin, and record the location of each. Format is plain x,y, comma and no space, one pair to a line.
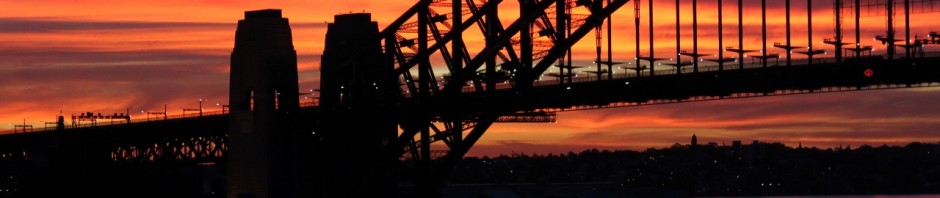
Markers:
390,29
446,164
560,48
460,78
448,37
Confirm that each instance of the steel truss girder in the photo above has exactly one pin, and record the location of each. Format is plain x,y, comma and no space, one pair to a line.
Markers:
475,18
591,22
428,117
210,148
468,72
594,20
407,138
405,64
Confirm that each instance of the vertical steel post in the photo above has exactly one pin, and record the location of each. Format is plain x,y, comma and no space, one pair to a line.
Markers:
560,36
838,13
457,50
610,47
763,5
858,31
597,44
424,69
695,60
525,37
652,56
457,41
597,39
568,30
424,66
907,29
788,48
492,36
636,22
721,54
741,34
809,32
678,40
889,5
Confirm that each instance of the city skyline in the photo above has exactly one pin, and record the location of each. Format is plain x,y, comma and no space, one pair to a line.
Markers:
81,56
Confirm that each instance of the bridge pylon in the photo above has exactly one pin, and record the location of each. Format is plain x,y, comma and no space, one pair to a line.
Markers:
357,119
264,103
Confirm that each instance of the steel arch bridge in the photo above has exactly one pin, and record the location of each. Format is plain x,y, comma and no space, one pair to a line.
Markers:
386,87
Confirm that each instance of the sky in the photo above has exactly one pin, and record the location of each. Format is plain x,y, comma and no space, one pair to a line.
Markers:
106,56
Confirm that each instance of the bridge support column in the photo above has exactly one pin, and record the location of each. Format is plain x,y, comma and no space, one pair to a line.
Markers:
359,98
263,98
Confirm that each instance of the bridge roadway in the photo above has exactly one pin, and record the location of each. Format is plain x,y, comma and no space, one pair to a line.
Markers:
184,157
626,89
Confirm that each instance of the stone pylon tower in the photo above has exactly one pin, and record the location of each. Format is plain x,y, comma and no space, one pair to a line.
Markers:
263,94
357,111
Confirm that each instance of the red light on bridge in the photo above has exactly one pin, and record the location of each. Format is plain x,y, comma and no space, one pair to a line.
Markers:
869,72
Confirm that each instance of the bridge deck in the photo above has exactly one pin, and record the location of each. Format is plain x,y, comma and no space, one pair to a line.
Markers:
666,87
711,84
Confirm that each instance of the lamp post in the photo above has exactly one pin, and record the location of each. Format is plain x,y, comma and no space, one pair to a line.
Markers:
200,107
45,125
156,114
24,127
311,96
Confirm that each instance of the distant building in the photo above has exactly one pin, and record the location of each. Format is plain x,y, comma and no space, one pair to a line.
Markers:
694,140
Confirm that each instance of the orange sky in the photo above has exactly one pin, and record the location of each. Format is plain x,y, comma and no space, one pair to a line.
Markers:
106,56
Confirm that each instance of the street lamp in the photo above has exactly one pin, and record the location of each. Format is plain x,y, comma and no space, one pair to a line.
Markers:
24,127
196,110
156,114
224,107
311,94
200,106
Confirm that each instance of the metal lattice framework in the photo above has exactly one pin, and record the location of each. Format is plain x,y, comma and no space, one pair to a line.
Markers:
210,148
458,107
515,54
878,7
494,84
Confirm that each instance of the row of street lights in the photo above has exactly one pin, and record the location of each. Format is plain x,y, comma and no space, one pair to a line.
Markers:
225,107
24,127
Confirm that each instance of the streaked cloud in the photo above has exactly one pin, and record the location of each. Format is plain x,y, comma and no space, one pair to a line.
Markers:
893,117
46,25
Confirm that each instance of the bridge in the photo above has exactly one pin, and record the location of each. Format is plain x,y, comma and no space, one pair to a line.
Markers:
387,125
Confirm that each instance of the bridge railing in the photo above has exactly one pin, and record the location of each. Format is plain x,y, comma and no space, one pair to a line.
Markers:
703,67
123,122
140,120
709,67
